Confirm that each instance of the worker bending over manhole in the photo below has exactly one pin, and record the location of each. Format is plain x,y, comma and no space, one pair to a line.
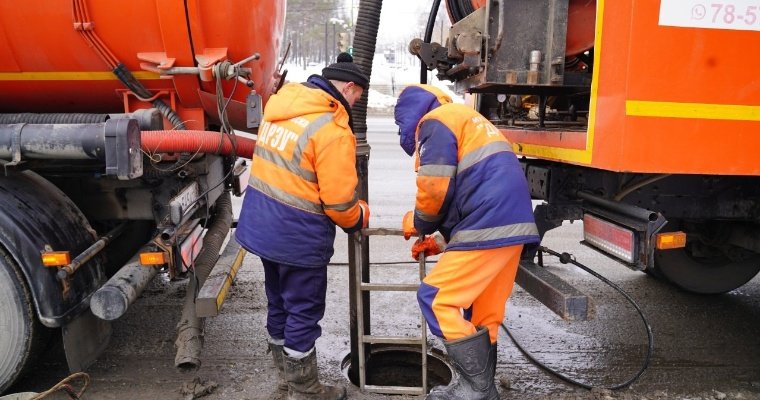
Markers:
473,199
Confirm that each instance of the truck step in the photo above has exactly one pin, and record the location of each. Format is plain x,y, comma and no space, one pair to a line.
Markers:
559,296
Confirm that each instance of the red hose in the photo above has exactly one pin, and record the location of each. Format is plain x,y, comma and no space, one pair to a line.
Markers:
195,142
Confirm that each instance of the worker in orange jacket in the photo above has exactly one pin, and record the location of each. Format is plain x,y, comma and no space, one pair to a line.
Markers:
303,182
472,190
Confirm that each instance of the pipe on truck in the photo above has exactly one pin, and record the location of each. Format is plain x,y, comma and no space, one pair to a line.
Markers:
88,141
55,141
113,299
196,141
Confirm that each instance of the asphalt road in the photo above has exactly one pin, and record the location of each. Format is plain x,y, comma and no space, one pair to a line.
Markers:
705,347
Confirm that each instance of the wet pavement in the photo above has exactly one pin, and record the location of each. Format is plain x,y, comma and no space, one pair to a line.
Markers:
705,347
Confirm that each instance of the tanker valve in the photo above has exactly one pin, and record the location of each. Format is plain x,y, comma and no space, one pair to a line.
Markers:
210,66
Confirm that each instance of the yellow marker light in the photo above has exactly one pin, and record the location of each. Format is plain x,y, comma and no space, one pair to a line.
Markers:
671,240
56,258
153,258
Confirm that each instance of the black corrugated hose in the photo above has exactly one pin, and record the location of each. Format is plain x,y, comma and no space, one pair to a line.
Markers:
129,80
565,258
214,238
428,36
365,38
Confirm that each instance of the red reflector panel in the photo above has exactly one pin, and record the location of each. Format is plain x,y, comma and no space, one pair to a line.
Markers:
191,247
613,239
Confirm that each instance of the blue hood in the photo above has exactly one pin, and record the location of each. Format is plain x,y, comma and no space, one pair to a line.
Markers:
413,103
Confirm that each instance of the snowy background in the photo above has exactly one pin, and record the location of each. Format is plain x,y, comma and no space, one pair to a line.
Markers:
386,83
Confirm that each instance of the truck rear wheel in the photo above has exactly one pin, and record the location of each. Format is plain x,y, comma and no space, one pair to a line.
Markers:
22,334
705,266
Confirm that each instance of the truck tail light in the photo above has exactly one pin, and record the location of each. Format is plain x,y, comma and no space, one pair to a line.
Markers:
610,238
671,240
153,258
56,258
191,247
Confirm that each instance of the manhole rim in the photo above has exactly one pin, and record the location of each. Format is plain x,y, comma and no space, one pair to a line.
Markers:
376,349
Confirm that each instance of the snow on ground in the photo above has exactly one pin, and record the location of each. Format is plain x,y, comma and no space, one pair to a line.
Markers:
386,83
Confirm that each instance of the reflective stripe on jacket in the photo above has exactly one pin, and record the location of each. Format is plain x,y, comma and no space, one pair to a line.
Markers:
470,185
303,179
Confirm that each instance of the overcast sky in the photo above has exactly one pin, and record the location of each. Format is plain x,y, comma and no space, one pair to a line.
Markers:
399,19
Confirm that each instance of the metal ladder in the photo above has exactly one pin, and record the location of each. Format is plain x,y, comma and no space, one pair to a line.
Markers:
363,339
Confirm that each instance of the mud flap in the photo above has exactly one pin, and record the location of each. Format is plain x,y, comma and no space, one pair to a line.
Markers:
84,338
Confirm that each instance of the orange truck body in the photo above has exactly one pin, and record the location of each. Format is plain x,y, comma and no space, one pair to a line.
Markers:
117,140
664,99
47,66
648,130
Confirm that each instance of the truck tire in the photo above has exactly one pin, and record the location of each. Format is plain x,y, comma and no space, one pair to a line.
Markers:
23,336
710,271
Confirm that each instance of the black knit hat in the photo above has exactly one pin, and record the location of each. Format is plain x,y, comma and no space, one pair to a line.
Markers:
346,71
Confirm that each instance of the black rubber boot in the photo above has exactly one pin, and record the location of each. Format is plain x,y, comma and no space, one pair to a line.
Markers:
303,380
279,362
474,359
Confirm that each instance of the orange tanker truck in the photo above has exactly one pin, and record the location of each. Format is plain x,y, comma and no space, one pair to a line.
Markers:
640,118
118,155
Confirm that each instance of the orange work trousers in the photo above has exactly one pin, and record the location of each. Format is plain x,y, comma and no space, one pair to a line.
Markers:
467,289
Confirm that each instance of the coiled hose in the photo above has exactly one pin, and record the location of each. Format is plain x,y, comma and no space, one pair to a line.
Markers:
428,36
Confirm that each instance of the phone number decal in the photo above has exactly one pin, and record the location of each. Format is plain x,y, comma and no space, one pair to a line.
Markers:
721,14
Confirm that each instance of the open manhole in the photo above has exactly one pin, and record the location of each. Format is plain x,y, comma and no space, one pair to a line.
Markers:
401,366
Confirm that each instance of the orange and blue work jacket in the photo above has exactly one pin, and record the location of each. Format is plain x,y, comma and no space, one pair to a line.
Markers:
303,178
470,185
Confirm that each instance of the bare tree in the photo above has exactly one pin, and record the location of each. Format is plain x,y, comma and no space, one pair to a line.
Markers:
312,26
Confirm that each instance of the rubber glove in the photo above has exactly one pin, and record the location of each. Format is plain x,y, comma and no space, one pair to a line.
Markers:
430,246
365,213
407,224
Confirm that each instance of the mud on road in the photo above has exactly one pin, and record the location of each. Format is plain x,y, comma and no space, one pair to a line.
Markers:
714,356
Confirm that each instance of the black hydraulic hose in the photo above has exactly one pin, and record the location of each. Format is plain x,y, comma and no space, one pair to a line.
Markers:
565,258
167,111
129,80
365,39
459,9
429,36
